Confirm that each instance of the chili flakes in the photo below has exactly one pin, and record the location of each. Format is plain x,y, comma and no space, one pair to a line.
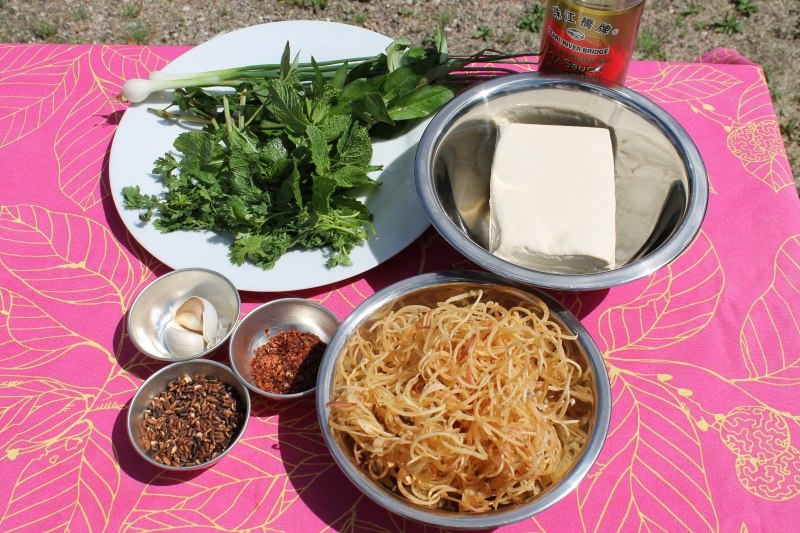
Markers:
288,362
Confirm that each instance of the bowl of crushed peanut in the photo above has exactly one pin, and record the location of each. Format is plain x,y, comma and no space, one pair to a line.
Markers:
188,415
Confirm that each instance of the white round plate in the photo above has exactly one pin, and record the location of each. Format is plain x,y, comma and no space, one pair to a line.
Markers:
141,138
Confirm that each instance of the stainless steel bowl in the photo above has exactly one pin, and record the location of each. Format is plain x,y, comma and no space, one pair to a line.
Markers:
270,318
150,313
430,289
158,382
660,180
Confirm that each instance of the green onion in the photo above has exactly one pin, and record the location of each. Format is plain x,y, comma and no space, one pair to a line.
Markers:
453,69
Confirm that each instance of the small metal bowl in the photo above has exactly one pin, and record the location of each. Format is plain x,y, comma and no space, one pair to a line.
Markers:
660,180
430,289
158,382
150,312
269,319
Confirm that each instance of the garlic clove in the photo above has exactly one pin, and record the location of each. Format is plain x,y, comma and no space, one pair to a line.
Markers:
211,325
197,315
181,342
192,312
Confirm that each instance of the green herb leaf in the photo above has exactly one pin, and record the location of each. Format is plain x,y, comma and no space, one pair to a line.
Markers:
370,109
420,102
319,150
285,64
287,107
395,53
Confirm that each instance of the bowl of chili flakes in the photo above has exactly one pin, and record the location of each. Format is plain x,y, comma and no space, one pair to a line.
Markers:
276,349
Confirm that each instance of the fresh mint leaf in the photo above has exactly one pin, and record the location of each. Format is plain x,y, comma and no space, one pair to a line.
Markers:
355,148
318,82
340,76
349,177
335,126
321,191
285,61
361,86
287,107
319,150
408,77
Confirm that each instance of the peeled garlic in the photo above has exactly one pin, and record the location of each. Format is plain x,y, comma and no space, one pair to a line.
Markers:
189,313
197,314
194,327
181,342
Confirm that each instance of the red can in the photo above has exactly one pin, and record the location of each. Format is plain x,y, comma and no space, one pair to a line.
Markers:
591,38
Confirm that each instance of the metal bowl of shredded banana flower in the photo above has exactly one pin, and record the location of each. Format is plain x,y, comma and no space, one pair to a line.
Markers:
460,400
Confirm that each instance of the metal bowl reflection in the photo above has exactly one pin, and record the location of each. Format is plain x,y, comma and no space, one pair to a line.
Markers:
660,180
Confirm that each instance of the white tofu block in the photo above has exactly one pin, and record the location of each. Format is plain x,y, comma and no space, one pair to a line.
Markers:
552,198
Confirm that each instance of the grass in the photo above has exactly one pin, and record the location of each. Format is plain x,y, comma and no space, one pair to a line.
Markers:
729,25
359,18
746,8
483,33
690,11
79,13
131,10
138,33
790,128
315,5
651,45
773,92
532,19
43,30
507,39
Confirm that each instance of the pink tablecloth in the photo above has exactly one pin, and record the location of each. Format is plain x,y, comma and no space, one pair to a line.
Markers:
704,355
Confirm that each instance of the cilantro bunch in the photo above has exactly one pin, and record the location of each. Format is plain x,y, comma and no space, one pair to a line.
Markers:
280,162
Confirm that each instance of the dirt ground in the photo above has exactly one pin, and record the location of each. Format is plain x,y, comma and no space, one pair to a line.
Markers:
765,31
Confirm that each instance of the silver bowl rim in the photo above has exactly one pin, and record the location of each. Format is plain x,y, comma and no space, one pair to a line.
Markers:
259,390
160,279
463,520
697,199
168,369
